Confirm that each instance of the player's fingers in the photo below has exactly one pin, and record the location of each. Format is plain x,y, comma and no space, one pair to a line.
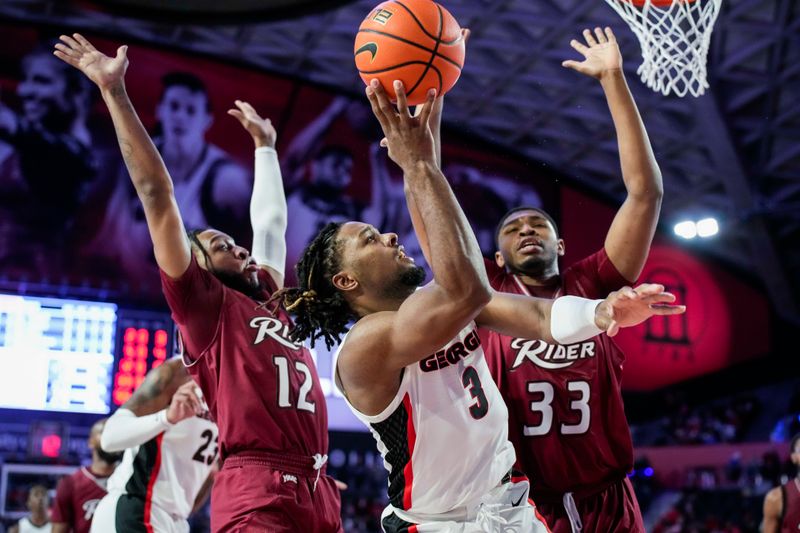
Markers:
122,52
84,42
383,102
574,65
587,34
340,485
580,47
237,114
65,58
610,35
427,108
384,143
402,102
662,309
601,37
660,298
377,111
66,50
465,34
647,289
72,43
613,328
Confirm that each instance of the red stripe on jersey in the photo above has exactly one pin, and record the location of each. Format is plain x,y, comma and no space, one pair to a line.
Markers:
411,436
519,479
148,499
413,529
540,517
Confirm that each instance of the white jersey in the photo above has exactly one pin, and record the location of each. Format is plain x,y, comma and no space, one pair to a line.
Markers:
444,436
25,526
169,470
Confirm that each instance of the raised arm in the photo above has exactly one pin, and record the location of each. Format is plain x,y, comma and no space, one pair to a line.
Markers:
268,210
631,233
145,166
164,398
460,288
571,319
307,143
773,509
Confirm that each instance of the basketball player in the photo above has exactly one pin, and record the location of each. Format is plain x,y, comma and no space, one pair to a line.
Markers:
77,495
261,387
412,368
37,521
567,420
170,447
782,504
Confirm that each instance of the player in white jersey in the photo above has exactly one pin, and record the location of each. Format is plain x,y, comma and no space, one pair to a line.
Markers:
38,521
412,367
170,449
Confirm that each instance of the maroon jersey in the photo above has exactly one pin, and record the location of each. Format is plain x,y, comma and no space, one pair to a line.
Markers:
790,517
77,497
261,388
566,417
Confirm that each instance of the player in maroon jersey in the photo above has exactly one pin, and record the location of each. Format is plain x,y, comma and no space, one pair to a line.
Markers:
782,504
77,495
566,416
261,388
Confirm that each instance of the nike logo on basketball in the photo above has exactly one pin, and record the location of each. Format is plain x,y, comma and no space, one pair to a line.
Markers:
372,48
550,356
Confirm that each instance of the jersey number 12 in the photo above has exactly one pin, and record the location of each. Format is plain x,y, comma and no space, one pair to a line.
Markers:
283,384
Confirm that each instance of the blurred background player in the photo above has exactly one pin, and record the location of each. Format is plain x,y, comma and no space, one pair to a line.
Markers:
211,189
782,504
262,387
566,415
77,495
38,521
170,449
48,137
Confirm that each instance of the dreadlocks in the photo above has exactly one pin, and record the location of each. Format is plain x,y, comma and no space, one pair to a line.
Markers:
318,308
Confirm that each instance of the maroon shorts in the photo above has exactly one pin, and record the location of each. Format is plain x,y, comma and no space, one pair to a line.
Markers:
254,495
612,510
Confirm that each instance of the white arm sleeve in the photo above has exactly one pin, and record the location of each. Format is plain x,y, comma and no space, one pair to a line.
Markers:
268,212
572,319
125,430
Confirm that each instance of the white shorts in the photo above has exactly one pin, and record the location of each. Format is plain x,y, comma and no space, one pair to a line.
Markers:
121,513
505,508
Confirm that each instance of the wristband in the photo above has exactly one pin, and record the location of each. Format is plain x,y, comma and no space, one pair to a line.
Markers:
572,319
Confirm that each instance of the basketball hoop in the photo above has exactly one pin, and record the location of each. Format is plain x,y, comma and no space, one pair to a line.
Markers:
674,36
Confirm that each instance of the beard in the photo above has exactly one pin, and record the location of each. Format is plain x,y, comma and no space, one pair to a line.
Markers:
108,457
405,283
536,266
238,283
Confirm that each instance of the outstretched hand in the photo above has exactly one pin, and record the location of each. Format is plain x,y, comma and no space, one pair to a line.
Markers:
103,70
408,138
628,307
602,54
261,129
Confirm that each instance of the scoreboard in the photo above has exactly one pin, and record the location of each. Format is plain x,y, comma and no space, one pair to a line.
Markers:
55,354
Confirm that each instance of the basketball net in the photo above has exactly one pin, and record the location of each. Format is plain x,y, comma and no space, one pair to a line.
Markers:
674,36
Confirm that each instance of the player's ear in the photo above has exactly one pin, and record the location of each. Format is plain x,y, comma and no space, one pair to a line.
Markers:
344,281
560,247
499,259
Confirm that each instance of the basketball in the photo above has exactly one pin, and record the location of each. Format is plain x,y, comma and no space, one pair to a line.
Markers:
415,41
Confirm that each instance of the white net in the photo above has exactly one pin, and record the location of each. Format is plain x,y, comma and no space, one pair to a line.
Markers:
674,40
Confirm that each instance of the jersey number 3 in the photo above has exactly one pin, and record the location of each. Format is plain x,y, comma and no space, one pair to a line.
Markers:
544,406
284,384
472,382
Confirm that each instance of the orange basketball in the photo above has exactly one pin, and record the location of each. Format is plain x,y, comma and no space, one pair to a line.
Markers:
415,41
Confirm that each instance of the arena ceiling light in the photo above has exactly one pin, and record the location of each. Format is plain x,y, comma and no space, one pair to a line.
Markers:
703,228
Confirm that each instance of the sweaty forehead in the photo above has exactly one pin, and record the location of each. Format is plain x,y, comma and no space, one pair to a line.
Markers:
353,229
